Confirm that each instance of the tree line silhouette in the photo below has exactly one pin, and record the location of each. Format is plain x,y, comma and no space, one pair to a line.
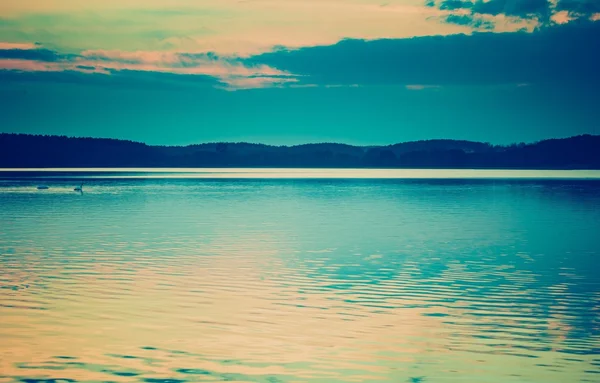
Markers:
43,151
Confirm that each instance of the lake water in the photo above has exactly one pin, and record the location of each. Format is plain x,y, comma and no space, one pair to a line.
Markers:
328,276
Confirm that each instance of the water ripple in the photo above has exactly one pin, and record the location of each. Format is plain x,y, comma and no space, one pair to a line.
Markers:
175,280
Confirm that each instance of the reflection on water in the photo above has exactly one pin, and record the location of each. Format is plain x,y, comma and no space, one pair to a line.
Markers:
185,280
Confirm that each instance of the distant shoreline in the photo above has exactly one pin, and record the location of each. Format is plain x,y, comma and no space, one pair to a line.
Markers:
20,151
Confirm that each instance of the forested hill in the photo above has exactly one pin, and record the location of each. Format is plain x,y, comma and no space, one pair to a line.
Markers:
23,151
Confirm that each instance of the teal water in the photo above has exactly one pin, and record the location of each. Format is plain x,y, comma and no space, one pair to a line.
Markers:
173,279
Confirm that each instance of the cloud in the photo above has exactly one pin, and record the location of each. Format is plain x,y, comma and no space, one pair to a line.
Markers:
230,27
229,71
422,87
7,45
579,8
517,8
455,4
543,12
35,54
472,21
559,54
124,79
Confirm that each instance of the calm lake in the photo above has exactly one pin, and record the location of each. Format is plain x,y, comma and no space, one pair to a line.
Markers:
274,275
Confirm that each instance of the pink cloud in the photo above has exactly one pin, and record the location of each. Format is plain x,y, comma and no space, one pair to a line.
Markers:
29,65
24,46
229,70
561,17
148,57
422,87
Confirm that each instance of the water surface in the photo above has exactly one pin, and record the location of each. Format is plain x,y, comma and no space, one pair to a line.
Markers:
159,278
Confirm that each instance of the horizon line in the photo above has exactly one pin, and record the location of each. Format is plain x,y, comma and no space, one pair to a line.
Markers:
297,145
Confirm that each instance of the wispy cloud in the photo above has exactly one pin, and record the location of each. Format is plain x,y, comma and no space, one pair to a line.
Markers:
231,72
22,46
422,87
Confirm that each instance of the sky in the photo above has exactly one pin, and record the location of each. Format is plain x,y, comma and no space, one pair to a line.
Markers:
286,72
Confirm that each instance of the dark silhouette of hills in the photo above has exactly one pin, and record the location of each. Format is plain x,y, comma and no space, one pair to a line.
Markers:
23,151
